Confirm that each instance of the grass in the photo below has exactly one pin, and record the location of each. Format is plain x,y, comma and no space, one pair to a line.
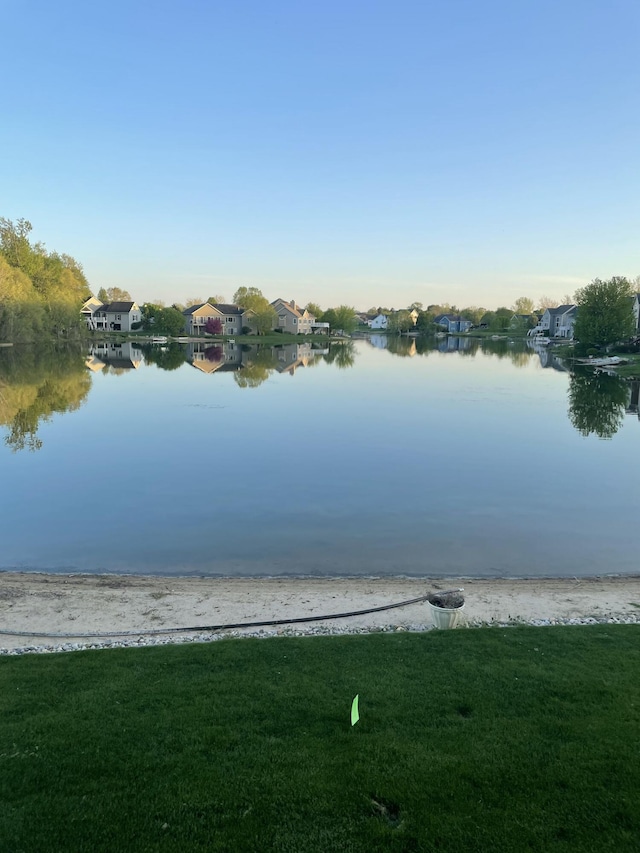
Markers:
516,739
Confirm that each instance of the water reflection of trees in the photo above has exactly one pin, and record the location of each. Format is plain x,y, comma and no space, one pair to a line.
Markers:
597,403
257,365
342,354
35,384
168,357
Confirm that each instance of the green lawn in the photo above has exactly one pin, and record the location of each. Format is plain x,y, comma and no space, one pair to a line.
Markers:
518,739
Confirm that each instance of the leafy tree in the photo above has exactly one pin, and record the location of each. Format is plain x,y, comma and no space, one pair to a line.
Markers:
171,321
40,292
473,313
218,299
166,321
265,316
264,320
114,294
250,297
342,319
400,321
424,323
605,312
415,306
193,300
213,326
597,403
315,309
523,305
546,302
502,319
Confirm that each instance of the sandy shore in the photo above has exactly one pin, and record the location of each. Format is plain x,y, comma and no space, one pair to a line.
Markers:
36,606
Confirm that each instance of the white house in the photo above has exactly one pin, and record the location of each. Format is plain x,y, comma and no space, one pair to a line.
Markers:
636,311
556,322
380,322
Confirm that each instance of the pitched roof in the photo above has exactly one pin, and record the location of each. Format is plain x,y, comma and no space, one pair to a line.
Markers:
225,308
193,308
290,306
117,307
561,309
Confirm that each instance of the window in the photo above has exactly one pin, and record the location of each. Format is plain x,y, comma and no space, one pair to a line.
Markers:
229,319
118,317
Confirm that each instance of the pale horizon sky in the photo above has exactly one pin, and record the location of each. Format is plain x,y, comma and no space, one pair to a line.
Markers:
370,153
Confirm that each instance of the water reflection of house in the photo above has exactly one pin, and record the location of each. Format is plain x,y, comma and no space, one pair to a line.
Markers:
209,356
547,357
124,356
453,344
292,356
379,341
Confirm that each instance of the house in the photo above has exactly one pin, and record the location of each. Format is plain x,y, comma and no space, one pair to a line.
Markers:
453,323
556,322
211,356
89,308
636,311
292,356
121,356
292,318
233,318
111,317
379,323
522,321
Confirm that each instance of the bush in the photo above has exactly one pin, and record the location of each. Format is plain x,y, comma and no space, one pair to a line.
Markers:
136,326
247,330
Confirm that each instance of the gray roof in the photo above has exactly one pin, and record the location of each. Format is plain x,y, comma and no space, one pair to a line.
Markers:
222,307
117,307
562,309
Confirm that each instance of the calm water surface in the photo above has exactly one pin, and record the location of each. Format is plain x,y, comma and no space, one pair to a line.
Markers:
444,457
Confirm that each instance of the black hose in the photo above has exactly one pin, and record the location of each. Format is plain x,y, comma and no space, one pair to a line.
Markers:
229,626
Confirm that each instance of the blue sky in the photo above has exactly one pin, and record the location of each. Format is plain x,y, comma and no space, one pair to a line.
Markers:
361,152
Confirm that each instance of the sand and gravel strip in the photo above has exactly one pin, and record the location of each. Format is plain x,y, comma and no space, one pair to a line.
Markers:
37,606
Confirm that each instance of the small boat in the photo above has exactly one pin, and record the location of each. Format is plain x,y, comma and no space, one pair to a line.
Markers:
159,339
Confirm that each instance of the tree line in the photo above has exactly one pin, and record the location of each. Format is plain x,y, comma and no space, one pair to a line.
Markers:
41,292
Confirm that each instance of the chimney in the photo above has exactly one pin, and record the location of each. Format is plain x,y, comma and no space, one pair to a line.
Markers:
293,304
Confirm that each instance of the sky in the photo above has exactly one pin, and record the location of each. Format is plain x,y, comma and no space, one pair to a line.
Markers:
368,153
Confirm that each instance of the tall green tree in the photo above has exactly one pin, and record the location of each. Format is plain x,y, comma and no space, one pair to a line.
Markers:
400,321
341,319
523,305
315,309
264,316
605,312
114,294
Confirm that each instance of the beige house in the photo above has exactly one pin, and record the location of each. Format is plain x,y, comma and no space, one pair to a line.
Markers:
232,318
293,318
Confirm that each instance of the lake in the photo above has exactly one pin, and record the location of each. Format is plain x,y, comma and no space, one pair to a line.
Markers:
376,457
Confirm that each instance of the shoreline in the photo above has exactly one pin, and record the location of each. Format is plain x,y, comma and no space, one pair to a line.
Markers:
37,606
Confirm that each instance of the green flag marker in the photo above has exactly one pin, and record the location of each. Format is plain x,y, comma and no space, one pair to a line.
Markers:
355,716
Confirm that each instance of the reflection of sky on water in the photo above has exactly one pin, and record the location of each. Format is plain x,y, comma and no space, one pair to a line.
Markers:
462,464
